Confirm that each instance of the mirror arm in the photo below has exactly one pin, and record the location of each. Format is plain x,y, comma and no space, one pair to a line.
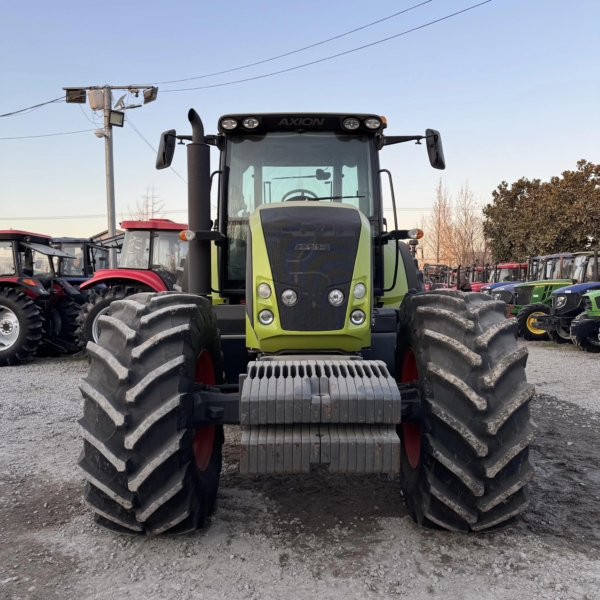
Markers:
400,139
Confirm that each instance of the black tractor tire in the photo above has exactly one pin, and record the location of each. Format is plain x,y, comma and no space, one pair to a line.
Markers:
526,329
585,344
98,304
557,338
68,312
29,323
139,457
465,453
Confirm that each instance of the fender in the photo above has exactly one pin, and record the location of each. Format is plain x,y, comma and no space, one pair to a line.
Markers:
125,276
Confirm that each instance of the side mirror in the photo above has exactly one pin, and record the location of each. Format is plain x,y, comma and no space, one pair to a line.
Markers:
435,149
166,149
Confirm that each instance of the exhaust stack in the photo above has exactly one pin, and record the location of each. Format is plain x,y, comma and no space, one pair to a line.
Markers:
199,252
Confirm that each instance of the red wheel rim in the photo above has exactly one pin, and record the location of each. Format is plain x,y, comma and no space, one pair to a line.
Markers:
411,432
204,437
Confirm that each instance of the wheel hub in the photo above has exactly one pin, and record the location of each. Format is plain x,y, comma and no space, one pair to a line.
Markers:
9,328
530,320
204,437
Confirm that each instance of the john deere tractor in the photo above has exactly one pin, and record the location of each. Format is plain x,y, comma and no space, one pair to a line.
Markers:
534,298
312,332
569,302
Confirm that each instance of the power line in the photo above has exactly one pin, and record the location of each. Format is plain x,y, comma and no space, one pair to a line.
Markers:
26,137
31,108
314,62
151,146
73,217
169,212
260,62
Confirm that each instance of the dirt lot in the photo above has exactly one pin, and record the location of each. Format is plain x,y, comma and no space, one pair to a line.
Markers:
324,536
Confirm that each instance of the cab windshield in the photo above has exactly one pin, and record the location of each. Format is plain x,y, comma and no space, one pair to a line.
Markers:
168,251
71,267
583,269
35,264
506,275
568,266
7,261
281,167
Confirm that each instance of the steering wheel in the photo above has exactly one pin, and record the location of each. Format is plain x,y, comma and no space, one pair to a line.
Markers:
302,195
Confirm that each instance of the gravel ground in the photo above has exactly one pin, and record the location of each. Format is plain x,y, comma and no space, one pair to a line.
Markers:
319,535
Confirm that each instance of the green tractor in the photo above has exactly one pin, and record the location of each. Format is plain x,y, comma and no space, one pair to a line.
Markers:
534,298
585,327
311,332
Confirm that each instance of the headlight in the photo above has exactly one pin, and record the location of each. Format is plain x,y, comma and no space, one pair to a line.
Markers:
351,123
357,317
336,297
373,123
560,301
496,296
289,297
228,123
360,290
250,123
266,317
264,290
488,292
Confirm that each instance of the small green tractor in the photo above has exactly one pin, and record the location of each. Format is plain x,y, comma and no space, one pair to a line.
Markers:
303,320
585,327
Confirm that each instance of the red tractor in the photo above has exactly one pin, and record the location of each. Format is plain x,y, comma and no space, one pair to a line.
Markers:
36,306
151,257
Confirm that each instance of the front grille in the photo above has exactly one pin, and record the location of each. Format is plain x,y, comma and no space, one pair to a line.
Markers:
573,301
505,296
523,295
587,303
311,250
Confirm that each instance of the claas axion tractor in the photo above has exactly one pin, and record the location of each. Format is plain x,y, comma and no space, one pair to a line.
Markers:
309,329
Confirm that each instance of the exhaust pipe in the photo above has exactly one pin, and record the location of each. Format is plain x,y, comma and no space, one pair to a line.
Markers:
198,160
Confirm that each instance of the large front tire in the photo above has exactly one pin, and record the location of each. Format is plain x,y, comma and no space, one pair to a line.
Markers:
147,471
586,344
465,454
526,318
98,304
20,327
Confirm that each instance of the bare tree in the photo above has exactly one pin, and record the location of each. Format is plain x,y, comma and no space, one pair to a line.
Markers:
437,225
454,230
149,206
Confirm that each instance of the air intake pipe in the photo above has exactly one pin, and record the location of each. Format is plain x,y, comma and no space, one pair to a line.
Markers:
198,160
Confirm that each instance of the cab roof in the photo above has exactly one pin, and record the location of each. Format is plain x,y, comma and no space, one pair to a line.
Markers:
155,224
24,236
70,240
300,122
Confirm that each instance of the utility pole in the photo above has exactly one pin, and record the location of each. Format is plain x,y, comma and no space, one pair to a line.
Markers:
110,174
112,117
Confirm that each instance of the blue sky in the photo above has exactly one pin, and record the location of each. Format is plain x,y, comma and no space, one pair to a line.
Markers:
513,86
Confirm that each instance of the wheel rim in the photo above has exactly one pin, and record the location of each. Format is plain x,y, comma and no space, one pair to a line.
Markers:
204,437
530,325
95,327
563,333
411,432
9,328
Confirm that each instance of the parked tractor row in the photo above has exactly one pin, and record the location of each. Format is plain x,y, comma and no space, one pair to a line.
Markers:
53,290
559,293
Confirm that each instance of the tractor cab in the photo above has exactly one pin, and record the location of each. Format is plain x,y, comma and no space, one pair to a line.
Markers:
88,255
31,292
